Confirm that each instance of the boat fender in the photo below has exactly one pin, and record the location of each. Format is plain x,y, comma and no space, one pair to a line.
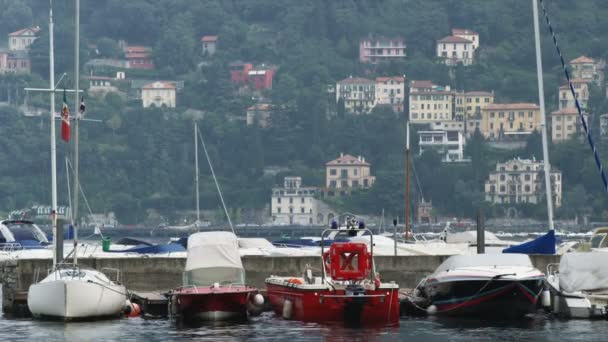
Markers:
287,309
255,304
546,298
258,299
431,310
131,309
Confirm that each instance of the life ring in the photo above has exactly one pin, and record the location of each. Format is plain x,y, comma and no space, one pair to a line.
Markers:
295,281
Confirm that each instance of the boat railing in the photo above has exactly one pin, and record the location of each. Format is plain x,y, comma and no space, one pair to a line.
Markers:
10,246
113,271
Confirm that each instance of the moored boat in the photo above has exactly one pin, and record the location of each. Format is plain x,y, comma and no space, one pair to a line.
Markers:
483,285
579,285
73,293
213,281
348,290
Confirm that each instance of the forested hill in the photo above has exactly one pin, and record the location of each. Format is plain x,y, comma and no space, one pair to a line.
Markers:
143,159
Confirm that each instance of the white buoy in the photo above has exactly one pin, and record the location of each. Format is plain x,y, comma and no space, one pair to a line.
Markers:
546,298
258,299
287,309
431,310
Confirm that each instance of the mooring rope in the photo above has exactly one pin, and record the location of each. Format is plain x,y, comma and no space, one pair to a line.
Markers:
578,106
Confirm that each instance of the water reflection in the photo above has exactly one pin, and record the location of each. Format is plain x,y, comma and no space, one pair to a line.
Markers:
267,327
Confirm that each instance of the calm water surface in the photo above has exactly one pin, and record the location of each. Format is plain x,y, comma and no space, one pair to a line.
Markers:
267,327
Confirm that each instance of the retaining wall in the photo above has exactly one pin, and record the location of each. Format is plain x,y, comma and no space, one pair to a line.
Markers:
157,274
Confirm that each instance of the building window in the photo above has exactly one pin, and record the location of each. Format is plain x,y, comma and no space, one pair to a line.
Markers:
332,184
332,172
279,200
344,184
344,173
302,200
291,201
502,177
355,184
279,210
302,210
291,210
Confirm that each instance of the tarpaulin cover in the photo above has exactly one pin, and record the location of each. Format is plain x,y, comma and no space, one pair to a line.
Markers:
583,271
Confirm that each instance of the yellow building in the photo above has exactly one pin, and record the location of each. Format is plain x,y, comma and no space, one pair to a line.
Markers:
469,105
509,120
430,103
347,172
158,94
565,123
581,89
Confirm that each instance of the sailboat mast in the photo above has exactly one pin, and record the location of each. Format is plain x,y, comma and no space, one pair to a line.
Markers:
53,142
76,119
407,181
198,212
541,98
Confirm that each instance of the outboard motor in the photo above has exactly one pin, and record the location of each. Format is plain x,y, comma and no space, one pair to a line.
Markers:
353,309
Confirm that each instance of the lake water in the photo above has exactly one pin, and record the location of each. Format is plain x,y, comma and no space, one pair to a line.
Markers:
268,327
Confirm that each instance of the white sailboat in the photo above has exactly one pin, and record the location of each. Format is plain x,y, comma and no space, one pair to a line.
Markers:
70,292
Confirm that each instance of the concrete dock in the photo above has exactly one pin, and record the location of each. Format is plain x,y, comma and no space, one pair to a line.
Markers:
165,273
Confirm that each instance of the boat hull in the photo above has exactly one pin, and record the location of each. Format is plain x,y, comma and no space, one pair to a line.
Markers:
76,300
202,304
486,298
373,308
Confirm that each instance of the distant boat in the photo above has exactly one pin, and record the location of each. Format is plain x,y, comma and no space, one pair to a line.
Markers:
21,234
131,245
483,285
214,286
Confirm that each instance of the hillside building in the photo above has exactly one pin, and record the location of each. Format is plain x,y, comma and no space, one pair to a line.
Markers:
348,172
374,49
565,123
358,94
509,121
430,103
158,94
521,181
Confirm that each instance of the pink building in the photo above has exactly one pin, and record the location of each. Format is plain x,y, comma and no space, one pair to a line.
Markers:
239,72
17,62
373,49
261,78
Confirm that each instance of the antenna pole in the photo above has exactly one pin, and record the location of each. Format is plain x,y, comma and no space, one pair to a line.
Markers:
543,117
407,182
53,142
196,175
76,119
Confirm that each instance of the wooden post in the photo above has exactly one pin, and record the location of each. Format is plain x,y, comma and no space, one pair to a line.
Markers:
481,238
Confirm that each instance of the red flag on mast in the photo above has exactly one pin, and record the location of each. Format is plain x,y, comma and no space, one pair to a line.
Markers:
65,119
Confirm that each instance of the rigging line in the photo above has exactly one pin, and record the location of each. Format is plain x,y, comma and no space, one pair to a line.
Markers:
217,185
578,106
81,190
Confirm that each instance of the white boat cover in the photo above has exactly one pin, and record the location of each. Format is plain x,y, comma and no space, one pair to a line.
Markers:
213,250
583,271
255,243
469,236
484,260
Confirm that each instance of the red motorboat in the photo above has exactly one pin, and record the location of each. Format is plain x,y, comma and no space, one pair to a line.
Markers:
214,282
348,290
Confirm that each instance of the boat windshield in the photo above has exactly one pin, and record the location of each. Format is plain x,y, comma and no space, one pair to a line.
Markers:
23,231
596,240
212,275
